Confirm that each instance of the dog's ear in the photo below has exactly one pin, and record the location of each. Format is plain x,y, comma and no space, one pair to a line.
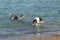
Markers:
35,21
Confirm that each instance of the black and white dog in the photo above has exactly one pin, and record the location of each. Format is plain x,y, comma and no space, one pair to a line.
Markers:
17,17
37,20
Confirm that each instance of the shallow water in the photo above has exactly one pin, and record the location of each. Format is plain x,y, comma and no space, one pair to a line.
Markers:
48,10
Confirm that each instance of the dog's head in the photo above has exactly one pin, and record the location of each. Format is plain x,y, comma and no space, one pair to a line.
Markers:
35,21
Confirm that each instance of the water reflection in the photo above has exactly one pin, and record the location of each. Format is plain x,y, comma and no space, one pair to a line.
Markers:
37,28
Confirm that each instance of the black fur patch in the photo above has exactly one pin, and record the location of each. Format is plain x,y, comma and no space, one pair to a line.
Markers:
35,21
15,17
40,19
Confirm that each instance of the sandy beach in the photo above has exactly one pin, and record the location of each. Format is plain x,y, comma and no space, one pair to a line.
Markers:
33,37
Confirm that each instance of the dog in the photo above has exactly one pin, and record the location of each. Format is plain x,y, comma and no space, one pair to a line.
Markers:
37,21
17,17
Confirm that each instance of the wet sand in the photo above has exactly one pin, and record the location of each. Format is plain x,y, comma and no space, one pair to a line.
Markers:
33,37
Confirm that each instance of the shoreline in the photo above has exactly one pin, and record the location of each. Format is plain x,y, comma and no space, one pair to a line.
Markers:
33,37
